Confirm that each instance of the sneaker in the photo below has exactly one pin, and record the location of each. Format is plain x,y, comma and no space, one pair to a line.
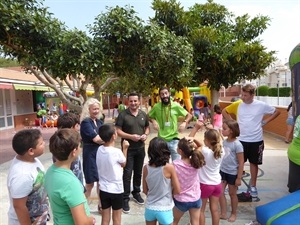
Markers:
253,192
137,197
126,208
244,197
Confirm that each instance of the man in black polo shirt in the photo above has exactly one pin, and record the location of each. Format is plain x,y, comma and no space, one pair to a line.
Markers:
132,124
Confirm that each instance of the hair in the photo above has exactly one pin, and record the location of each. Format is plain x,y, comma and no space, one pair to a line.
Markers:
25,139
85,108
68,120
249,88
63,142
289,107
214,139
158,152
134,94
106,131
190,151
163,88
234,127
217,109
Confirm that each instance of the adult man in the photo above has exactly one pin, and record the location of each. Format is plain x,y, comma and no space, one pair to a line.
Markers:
164,117
133,125
250,116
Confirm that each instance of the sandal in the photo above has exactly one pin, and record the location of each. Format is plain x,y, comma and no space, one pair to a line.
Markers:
99,209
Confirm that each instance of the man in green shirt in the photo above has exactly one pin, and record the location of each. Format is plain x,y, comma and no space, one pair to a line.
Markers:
164,117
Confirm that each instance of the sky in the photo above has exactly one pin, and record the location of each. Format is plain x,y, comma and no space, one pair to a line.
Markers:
282,35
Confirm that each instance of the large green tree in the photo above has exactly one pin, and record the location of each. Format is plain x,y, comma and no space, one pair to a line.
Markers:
227,49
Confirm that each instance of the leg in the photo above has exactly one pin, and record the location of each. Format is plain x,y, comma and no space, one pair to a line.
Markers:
177,215
88,188
202,211
223,202
137,170
234,202
151,222
213,205
116,216
106,216
288,133
127,173
173,149
194,216
253,173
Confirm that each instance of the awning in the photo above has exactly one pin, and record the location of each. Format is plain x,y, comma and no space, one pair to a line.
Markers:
30,87
6,86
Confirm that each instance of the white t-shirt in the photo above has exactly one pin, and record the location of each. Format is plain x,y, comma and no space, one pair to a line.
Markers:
27,179
249,119
210,172
110,172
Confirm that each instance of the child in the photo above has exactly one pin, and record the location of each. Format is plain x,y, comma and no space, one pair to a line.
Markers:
115,112
110,161
218,119
71,120
65,192
159,181
187,172
231,167
209,175
25,180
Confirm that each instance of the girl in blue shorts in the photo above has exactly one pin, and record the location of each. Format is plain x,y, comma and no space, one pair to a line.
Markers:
187,172
159,181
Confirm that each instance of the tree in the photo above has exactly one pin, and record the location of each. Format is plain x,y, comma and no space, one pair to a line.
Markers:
226,48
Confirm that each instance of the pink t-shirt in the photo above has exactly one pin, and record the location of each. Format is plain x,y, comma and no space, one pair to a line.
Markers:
218,120
189,182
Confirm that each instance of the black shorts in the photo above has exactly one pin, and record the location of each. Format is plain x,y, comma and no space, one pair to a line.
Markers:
253,151
111,200
229,178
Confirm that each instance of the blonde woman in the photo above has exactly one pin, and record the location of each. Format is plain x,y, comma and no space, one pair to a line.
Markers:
89,127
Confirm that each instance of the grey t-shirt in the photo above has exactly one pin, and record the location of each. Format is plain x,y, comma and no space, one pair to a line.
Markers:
230,162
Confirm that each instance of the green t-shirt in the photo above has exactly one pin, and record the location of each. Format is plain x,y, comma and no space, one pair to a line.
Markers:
65,192
294,148
121,108
167,117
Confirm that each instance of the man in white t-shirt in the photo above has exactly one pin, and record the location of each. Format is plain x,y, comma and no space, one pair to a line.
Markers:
250,117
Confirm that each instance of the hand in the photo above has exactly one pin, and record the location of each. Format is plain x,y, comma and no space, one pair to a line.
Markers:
125,144
155,126
199,124
144,137
136,137
181,128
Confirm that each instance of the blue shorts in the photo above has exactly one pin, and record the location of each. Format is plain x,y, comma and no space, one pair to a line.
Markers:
163,217
229,178
186,206
290,121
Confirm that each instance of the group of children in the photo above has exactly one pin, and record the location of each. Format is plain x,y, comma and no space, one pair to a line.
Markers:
186,184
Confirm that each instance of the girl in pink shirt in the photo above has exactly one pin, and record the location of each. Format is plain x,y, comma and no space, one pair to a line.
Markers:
218,119
187,171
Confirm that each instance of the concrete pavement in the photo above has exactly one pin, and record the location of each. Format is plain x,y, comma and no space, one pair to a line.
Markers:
271,183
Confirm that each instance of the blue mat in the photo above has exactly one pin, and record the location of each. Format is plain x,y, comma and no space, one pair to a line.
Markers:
283,211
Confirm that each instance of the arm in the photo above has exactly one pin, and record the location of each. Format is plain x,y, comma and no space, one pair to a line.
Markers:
188,118
80,217
145,135
174,180
125,146
195,129
145,185
133,137
226,115
154,123
98,140
272,117
240,158
22,210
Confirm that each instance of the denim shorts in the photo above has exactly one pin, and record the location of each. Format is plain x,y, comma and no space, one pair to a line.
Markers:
290,121
229,178
186,206
163,217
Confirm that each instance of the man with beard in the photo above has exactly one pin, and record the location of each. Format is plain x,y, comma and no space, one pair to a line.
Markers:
164,117
133,125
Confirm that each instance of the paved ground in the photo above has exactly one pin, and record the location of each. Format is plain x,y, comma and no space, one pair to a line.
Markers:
271,182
